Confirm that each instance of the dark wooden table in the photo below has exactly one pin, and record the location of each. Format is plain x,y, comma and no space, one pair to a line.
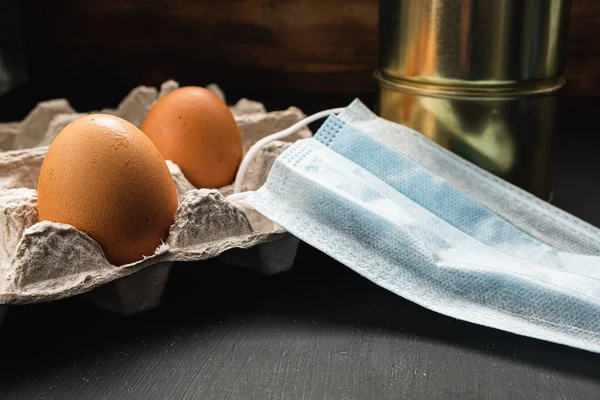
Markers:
319,331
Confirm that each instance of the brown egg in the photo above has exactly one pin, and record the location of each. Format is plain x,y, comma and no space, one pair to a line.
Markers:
194,128
103,176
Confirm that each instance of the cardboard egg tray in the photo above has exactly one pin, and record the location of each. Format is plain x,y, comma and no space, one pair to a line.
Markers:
45,261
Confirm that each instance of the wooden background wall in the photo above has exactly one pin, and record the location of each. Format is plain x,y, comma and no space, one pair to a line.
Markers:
300,45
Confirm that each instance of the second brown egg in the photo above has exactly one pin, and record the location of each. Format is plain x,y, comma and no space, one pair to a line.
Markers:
195,129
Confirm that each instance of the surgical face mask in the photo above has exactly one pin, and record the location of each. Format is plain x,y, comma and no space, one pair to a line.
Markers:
522,209
449,203
411,217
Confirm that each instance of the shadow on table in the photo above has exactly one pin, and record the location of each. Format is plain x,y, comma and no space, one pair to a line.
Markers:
318,294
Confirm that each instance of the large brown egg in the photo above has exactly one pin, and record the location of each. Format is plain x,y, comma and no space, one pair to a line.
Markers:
103,176
195,129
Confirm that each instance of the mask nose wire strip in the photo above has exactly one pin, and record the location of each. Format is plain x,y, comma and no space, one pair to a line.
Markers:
276,136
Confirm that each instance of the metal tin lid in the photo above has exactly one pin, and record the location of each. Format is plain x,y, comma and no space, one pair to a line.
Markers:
473,42
523,89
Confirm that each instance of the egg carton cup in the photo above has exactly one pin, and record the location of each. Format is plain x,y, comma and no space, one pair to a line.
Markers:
42,261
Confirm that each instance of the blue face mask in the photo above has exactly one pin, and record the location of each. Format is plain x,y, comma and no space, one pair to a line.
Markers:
446,201
436,230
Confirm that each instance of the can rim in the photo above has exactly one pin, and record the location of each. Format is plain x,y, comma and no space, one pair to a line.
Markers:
511,91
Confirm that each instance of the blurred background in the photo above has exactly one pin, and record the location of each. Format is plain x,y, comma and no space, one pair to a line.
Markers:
73,48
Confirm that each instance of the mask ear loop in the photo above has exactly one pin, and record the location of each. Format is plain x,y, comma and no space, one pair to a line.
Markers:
241,173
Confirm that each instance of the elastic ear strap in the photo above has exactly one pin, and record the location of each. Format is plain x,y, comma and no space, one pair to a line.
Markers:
237,187
241,199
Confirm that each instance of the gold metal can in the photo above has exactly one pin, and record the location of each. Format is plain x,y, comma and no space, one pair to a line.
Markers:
480,77
507,134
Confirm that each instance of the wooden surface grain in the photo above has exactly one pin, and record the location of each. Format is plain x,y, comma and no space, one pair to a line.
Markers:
318,332
583,59
310,45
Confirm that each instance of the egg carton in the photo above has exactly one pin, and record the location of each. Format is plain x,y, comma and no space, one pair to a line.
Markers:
43,261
